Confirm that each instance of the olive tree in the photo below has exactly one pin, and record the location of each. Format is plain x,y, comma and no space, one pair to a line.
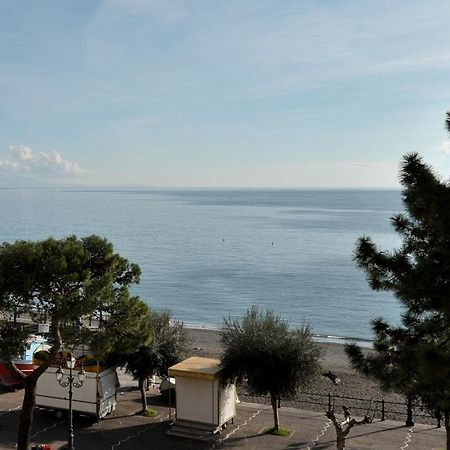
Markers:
273,360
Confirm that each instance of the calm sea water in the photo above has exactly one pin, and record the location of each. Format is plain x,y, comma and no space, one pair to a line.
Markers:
210,254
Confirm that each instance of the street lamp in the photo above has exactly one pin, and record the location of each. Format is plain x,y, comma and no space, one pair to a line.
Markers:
70,364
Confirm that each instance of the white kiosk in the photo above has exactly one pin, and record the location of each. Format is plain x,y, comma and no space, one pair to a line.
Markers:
204,405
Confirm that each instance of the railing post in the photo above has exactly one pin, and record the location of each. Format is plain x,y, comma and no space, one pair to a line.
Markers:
329,401
382,409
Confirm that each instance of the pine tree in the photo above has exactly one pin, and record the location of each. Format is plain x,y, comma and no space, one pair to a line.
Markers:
414,357
63,280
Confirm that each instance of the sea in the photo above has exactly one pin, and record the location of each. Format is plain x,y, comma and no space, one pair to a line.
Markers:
211,254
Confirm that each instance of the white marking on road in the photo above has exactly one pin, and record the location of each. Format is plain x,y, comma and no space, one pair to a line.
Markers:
50,427
135,435
316,439
408,439
221,441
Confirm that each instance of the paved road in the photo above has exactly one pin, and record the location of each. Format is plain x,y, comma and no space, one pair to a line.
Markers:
124,430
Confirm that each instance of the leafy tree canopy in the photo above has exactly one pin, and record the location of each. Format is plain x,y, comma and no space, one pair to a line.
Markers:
261,350
62,281
168,344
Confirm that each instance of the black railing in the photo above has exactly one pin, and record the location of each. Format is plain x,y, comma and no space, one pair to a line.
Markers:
375,408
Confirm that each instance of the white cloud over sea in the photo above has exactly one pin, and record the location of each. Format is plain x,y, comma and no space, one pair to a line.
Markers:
23,161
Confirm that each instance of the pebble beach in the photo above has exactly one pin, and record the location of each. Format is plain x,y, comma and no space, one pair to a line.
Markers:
362,395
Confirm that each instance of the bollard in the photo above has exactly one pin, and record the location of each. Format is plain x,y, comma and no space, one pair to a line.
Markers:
329,401
382,409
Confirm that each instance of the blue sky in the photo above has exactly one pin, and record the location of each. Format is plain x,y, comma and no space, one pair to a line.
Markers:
251,93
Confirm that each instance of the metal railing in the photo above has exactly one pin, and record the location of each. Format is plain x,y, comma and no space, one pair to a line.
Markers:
381,409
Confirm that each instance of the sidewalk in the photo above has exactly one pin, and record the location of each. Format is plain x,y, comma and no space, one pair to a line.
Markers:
124,430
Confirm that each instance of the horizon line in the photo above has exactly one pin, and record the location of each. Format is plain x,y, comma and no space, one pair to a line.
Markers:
131,187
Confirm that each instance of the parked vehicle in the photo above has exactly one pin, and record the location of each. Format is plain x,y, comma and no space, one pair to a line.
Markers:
96,397
167,384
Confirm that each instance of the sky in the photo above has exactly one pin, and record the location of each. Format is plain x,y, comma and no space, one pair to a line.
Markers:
245,93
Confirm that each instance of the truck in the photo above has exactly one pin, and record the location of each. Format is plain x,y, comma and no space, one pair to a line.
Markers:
95,397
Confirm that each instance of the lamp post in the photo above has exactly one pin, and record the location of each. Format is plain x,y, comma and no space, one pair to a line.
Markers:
70,364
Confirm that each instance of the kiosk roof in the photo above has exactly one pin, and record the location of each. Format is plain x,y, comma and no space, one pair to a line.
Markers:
197,367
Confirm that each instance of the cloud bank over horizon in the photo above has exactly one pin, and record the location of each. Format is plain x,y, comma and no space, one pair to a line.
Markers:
23,162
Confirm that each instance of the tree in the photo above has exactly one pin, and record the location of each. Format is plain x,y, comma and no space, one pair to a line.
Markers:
62,280
344,428
124,326
413,358
261,350
168,345
393,363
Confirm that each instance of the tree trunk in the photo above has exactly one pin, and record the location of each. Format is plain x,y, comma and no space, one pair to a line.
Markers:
447,427
143,396
409,413
273,402
26,415
340,440
30,382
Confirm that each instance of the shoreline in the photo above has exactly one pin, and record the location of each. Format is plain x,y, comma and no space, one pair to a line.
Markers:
332,339
206,342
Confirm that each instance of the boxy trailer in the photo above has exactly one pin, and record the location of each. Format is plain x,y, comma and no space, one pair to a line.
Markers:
96,397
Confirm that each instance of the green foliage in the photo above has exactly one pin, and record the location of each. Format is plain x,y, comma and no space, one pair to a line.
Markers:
150,412
413,358
170,340
272,359
281,431
261,350
63,281
168,345
124,326
13,340
418,272
394,359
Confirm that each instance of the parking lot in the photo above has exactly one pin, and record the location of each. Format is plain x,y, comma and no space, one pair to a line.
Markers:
124,429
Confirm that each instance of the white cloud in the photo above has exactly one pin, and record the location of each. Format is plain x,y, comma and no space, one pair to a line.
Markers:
41,165
445,148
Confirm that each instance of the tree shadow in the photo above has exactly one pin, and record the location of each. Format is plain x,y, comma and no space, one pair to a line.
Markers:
92,434
152,435
384,430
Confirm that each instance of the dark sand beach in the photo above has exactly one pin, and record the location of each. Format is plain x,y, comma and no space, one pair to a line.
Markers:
206,342
362,394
